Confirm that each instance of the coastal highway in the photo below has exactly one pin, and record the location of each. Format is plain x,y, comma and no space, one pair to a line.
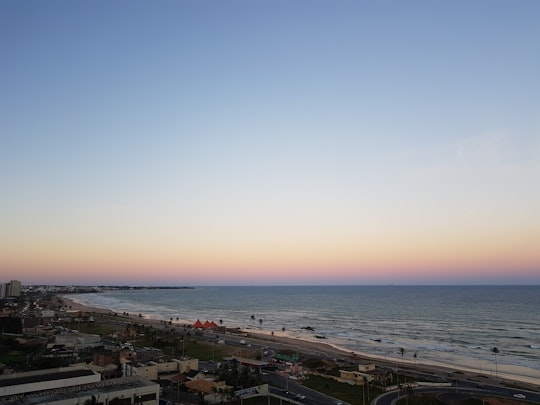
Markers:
314,397
297,393
471,389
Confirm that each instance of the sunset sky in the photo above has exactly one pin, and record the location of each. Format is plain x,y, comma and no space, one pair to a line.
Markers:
269,142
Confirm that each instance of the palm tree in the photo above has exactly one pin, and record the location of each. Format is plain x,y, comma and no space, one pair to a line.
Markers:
252,318
415,357
402,351
260,322
495,351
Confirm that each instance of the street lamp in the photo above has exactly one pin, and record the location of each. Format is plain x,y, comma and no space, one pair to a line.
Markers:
182,340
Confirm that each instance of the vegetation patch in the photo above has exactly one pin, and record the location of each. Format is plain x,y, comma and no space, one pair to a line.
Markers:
353,394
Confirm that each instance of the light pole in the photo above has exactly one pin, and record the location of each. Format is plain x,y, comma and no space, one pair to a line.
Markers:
363,395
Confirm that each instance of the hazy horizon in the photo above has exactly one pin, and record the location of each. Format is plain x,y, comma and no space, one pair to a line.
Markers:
182,286
270,142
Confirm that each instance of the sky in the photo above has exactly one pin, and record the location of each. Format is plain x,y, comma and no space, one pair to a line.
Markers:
270,142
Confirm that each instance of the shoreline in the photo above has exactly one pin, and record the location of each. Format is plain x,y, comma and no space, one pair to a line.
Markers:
506,373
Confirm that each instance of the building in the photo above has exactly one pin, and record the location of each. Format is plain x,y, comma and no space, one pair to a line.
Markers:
364,374
79,340
42,380
62,351
151,370
75,386
251,363
186,364
13,288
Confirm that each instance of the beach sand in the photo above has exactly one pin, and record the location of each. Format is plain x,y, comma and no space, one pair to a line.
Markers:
528,378
505,372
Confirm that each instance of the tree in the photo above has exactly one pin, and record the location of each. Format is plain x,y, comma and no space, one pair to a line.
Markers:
495,351
402,351
252,318
260,322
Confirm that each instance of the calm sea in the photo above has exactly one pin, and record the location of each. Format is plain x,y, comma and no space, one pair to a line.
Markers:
447,324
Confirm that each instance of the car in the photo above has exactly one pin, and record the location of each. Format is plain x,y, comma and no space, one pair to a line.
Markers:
300,396
519,396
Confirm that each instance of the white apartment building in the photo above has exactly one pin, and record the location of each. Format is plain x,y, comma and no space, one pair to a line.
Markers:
75,386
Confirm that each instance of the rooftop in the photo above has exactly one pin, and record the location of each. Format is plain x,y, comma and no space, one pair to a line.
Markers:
43,375
93,389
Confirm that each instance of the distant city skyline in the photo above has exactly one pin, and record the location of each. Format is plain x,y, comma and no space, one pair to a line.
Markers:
212,143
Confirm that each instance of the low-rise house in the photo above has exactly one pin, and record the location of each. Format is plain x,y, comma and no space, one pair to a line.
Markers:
186,364
60,351
364,374
47,313
205,386
106,364
79,340
152,370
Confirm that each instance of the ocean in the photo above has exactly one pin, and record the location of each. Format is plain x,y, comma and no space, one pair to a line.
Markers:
451,325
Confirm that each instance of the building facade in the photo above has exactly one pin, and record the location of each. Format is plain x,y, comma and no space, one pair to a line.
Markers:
75,386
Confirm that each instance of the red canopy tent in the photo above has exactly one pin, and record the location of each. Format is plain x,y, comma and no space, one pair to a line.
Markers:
198,324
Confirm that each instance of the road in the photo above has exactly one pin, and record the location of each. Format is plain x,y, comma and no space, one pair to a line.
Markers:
289,389
391,397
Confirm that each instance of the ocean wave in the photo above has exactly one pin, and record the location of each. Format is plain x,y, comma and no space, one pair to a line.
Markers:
477,347
436,348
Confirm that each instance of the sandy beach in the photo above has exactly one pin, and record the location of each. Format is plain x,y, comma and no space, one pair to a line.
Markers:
280,340
505,372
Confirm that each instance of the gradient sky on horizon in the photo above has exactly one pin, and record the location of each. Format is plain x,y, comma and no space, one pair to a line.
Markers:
283,142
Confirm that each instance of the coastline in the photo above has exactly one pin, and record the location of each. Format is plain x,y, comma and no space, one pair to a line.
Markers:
506,373
76,306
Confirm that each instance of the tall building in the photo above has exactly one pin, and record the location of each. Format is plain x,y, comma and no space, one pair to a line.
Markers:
3,290
14,288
